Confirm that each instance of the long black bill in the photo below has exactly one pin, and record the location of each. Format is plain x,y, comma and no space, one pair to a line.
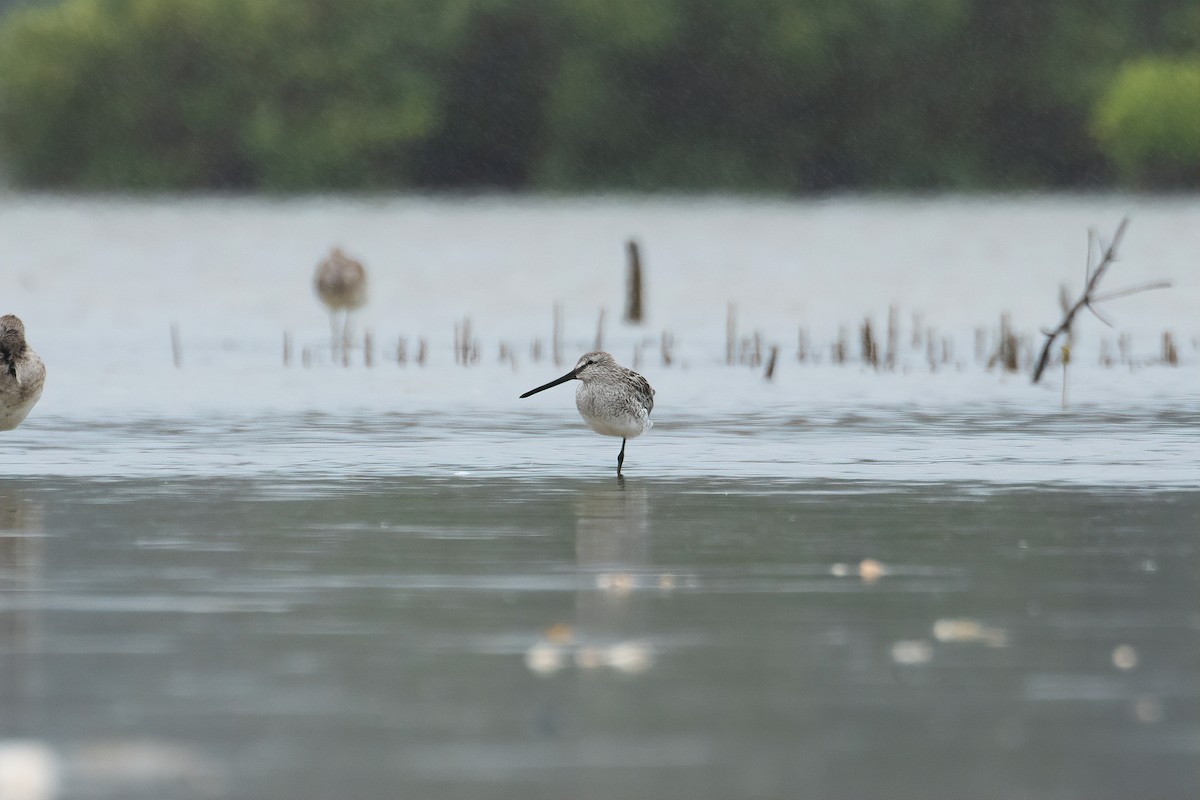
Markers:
570,376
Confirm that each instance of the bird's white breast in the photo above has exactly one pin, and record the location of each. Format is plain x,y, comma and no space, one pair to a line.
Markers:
611,413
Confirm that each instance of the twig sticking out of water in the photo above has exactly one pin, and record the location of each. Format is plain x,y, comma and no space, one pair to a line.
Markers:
402,351
1007,350
176,346
668,345
462,342
1066,362
771,359
556,338
422,351
1125,348
893,337
802,346
870,348
1170,354
507,355
287,349
368,349
1089,298
730,334
633,285
840,347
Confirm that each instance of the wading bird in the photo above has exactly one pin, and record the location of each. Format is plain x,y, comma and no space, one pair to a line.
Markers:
341,284
22,373
613,400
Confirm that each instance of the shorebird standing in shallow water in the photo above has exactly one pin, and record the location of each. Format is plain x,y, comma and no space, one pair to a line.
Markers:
22,373
341,283
613,400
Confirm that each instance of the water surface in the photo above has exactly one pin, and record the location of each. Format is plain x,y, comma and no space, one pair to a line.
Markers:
244,579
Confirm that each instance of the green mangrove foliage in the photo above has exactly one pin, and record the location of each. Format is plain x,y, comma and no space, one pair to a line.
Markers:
1148,123
779,95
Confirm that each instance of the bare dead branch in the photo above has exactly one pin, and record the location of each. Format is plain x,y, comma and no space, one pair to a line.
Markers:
1145,287
1096,313
1108,254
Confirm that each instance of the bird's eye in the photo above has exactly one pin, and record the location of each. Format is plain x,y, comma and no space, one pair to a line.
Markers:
591,361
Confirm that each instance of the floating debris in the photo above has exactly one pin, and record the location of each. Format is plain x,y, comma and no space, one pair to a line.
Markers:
589,657
29,770
911,652
629,657
618,583
969,631
1124,656
1148,710
871,570
545,658
559,633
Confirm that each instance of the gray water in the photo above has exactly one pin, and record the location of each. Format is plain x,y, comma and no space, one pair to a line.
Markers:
500,637
239,579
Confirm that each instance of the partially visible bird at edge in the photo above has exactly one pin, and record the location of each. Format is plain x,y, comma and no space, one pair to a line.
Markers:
22,373
341,284
613,400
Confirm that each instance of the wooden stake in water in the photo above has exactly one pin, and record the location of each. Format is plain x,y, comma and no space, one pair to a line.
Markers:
368,349
287,349
870,348
633,285
1170,353
770,374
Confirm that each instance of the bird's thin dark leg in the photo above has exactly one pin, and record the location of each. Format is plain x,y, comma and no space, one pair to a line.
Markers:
620,458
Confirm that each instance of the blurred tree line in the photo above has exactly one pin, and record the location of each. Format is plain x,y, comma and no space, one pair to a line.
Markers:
775,95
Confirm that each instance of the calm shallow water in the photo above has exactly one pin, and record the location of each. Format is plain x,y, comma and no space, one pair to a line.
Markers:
508,637
238,579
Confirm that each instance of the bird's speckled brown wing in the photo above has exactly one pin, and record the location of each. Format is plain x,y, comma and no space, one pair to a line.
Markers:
644,390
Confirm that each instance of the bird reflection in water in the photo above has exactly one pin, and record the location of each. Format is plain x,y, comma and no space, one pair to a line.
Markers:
22,566
612,555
